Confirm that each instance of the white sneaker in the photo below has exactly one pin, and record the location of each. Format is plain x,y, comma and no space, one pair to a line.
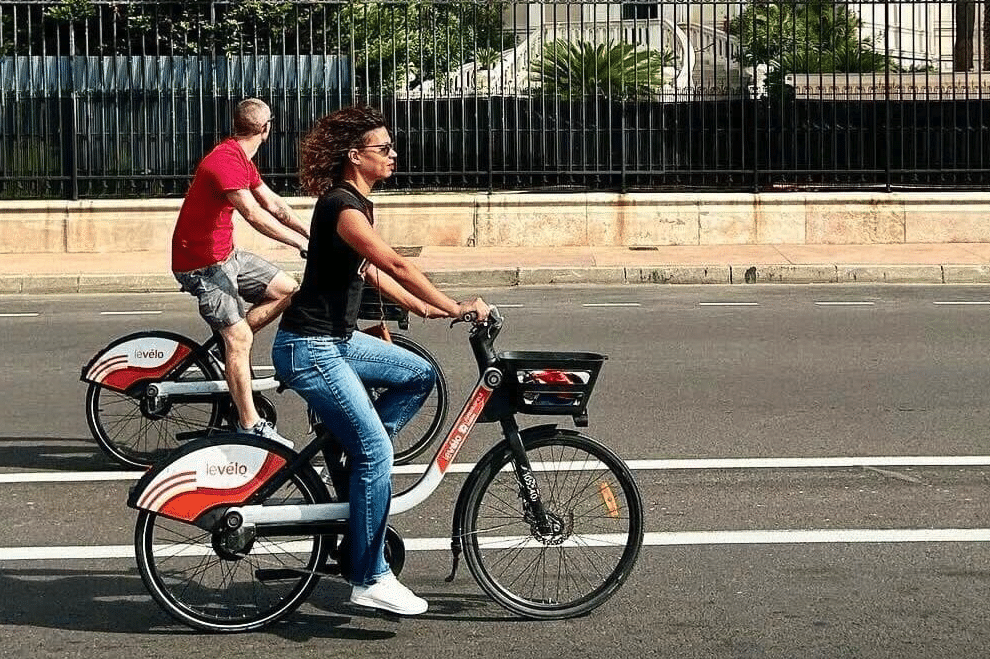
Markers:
390,595
267,430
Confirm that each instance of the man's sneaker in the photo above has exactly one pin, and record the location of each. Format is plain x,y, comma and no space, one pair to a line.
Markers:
389,595
267,430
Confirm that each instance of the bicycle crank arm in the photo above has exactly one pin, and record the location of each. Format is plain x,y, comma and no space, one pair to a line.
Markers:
288,574
167,389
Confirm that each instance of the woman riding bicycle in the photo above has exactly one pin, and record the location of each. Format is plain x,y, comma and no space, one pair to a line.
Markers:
318,353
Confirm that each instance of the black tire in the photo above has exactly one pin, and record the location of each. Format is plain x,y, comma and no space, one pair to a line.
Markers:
135,436
422,429
589,491
208,590
265,407
395,553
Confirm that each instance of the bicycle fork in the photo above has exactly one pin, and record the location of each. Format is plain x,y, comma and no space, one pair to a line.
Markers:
544,526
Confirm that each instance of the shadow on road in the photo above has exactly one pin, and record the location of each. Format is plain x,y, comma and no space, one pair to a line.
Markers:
59,454
446,606
112,601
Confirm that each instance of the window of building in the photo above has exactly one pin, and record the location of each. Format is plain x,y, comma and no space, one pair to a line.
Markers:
632,10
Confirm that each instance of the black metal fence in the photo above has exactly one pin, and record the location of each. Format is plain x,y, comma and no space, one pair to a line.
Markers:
102,98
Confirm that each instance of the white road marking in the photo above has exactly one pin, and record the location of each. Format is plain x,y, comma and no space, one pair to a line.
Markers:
961,303
657,539
814,463
26,314
728,304
612,304
130,313
635,465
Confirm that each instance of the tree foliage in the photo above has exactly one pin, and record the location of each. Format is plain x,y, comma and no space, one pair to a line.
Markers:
399,43
389,40
620,71
820,36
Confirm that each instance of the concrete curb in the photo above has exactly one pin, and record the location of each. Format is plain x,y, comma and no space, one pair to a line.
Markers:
515,276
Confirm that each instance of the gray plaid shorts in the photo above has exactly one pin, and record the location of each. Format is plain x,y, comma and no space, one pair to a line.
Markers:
223,288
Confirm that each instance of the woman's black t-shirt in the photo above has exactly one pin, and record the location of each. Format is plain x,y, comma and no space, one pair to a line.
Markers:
329,297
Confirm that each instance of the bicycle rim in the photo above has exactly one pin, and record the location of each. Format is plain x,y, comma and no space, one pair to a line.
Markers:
201,585
136,436
589,493
417,435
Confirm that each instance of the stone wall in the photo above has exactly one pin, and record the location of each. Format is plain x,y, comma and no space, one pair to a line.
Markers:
543,220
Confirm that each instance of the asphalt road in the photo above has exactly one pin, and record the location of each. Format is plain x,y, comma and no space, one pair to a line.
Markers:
813,461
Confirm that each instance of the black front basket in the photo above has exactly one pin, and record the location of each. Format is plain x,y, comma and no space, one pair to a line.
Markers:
552,382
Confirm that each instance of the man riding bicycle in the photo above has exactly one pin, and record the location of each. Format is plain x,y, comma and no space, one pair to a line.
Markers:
208,265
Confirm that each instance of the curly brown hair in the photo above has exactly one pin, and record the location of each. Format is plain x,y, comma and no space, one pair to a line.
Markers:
323,150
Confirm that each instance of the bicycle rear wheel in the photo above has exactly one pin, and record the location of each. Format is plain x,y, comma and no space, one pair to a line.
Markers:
594,506
422,429
134,433
192,574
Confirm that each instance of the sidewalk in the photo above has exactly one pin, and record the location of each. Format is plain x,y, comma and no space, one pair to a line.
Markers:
944,263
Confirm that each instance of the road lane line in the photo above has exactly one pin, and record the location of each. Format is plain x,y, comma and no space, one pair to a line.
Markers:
31,314
612,304
656,539
728,304
961,303
813,463
130,313
815,536
635,465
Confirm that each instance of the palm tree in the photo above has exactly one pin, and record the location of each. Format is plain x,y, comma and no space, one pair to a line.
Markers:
619,71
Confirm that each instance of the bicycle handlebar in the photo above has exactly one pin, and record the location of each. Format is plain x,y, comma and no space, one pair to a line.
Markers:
482,337
494,317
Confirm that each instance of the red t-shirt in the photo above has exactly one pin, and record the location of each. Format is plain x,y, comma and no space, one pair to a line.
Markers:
204,232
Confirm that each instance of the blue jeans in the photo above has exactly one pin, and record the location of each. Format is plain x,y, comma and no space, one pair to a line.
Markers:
333,375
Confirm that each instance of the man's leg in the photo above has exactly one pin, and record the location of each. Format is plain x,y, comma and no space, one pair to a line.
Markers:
278,294
237,340
270,290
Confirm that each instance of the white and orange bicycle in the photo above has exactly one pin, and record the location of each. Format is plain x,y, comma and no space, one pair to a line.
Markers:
150,392
234,531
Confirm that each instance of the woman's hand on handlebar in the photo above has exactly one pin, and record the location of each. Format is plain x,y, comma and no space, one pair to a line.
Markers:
474,311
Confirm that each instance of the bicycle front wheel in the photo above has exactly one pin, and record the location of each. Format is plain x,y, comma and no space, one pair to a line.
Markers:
135,433
595,512
200,581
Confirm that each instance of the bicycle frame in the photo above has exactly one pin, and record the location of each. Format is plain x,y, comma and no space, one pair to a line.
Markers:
415,495
197,483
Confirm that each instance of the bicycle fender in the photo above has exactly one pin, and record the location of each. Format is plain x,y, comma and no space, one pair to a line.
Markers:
527,434
143,356
208,473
